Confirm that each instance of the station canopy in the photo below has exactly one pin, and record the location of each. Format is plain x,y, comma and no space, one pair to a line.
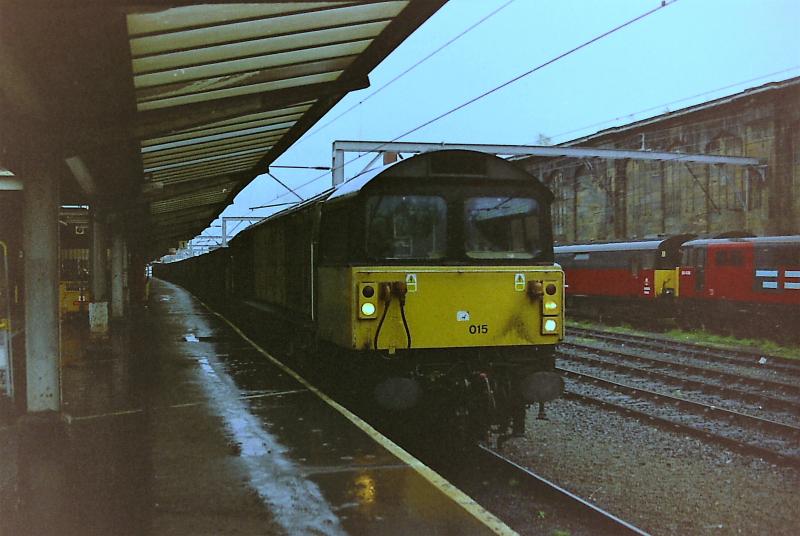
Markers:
161,112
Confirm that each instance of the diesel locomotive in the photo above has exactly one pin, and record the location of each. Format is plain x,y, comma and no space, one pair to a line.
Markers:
73,285
434,275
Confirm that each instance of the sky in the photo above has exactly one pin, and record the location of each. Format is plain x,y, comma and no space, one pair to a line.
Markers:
689,52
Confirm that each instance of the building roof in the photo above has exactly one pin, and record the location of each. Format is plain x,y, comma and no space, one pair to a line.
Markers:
736,97
164,111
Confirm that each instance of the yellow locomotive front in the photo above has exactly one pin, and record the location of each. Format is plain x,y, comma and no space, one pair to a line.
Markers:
426,307
441,268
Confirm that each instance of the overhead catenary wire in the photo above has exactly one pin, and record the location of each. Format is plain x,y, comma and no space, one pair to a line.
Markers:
276,179
271,205
684,99
662,5
653,137
362,101
408,70
563,163
316,168
555,164
665,138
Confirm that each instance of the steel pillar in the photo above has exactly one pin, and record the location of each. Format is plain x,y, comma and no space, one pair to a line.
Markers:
40,245
98,307
117,274
226,219
99,259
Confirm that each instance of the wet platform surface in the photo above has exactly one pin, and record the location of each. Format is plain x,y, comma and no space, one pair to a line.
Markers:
178,425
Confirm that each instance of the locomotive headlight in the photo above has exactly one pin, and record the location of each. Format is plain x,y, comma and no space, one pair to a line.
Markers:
549,326
550,307
367,306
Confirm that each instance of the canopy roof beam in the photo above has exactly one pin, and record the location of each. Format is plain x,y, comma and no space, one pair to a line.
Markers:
165,121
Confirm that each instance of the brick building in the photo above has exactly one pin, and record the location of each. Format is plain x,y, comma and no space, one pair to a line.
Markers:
599,199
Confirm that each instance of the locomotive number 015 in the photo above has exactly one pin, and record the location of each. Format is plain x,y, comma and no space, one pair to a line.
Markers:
476,329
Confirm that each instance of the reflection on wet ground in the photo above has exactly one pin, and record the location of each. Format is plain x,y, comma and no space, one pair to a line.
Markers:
177,426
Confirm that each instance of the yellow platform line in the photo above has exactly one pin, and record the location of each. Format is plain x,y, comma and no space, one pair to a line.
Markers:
438,481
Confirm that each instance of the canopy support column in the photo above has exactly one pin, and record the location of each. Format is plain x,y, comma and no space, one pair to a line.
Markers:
40,244
98,308
118,269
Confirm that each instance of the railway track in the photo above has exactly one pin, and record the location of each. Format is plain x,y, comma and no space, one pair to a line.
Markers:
743,394
600,521
789,392
771,440
728,356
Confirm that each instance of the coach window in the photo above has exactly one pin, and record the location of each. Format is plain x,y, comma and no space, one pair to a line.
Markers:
700,258
686,257
649,259
501,228
774,256
406,227
729,258
635,265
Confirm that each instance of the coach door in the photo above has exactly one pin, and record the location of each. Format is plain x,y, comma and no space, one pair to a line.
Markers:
700,270
6,384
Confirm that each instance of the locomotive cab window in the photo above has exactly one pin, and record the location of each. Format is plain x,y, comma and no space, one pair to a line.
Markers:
501,228
74,267
406,227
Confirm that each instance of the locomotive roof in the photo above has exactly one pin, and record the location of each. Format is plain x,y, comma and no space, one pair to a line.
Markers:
644,245
354,185
759,240
422,165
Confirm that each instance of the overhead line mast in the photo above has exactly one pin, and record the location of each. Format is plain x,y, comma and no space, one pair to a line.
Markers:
342,147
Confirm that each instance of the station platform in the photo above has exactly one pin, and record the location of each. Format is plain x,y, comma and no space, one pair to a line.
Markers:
180,425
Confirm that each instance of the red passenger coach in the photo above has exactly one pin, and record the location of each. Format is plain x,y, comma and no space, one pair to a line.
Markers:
644,269
762,270
743,286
